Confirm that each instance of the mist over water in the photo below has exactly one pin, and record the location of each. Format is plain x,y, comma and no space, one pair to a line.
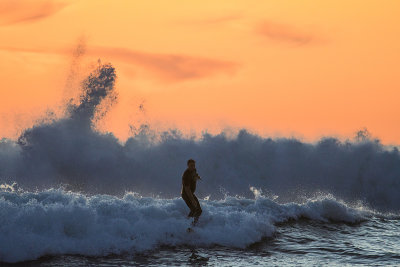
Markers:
69,152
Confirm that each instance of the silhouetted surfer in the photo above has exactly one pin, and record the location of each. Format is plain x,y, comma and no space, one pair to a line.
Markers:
189,179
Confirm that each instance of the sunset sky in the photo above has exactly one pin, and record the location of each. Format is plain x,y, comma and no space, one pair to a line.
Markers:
300,68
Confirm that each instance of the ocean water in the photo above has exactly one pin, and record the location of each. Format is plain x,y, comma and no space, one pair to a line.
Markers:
73,196
60,228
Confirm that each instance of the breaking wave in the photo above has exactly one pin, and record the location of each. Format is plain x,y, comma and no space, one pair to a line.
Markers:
57,222
69,153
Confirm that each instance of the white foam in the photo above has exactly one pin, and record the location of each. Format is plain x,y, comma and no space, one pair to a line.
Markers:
57,222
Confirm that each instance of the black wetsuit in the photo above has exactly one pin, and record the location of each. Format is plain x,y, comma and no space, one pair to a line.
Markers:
189,178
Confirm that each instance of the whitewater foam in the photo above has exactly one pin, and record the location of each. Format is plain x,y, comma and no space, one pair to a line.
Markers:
54,222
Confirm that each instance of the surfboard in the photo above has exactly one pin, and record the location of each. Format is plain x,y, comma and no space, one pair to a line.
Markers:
195,257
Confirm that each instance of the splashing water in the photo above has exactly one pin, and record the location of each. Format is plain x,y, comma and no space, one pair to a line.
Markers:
69,152
56,222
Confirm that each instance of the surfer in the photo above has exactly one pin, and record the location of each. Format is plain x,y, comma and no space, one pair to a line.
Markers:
189,180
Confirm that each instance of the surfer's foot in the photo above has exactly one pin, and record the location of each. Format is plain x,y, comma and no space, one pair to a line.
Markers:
196,219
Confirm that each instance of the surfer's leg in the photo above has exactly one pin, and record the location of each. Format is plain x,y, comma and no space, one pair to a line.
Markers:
197,211
187,201
189,204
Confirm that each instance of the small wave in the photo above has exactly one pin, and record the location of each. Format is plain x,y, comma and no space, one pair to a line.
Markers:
56,222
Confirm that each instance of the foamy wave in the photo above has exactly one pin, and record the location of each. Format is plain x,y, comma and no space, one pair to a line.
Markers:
57,222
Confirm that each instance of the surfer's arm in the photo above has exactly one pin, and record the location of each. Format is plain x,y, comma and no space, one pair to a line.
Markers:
190,195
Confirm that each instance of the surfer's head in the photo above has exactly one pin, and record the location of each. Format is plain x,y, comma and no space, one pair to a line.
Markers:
191,164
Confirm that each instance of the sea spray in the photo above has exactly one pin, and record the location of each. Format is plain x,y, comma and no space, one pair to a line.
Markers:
70,152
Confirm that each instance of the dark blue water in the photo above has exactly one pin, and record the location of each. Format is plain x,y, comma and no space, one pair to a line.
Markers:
304,243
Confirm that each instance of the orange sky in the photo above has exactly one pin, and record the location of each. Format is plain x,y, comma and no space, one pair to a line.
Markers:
305,68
